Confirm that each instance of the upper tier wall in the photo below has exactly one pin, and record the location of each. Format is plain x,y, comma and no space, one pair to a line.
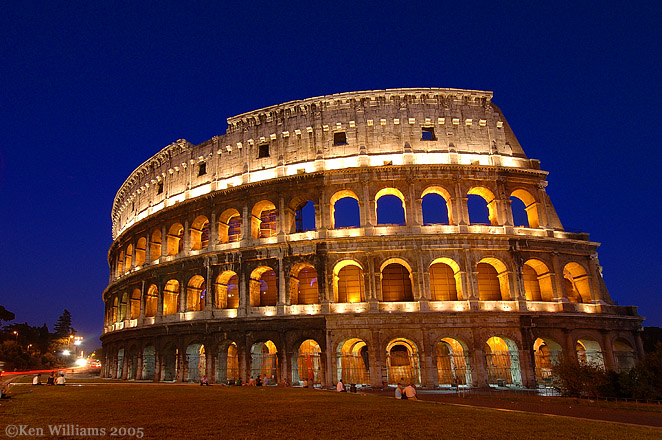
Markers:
380,127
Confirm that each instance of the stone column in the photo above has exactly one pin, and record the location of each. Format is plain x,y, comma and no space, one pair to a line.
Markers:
608,351
209,300
139,366
479,364
376,358
148,248
186,248
559,293
182,296
164,241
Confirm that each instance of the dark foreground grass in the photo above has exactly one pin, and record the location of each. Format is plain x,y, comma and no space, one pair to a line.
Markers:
191,411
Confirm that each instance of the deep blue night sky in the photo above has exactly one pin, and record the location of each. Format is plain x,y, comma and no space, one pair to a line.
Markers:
92,89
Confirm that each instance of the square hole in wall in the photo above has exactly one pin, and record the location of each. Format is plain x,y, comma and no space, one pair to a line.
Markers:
340,138
427,134
263,151
159,189
202,169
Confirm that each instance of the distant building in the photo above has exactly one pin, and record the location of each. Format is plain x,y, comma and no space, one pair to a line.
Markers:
340,237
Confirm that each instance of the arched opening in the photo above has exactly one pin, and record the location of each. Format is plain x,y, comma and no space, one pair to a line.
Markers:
353,362
227,364
263,221
120,363
229,226
120,264
135,303
546,353
264,361
304,217
303,284
155,246
151,301
348,282
196,363
589,352
175,241
263,287
345,211
436,206
227,290
390,205
308,364
141,246
537,281
577,284
402,361
149,362
132,363
453,366
524,209
503,367
115,311
624,355
396,282
482,207
171,297
200,233
445,280
493,284
169,363
196,290
123,307
127,258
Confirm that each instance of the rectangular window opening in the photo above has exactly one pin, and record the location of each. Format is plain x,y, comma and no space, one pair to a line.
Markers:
263,151
160,188
427,134
202,169
340,138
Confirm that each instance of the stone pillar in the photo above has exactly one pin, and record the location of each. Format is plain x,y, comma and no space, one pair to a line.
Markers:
182,296
281,217
607,350
159,307
209,295
559,293
133,256
139,366
330,366
148,249
596,288
213,231
141,314
376,359
164,241
186,248
284,359
429,372
281,283
479,364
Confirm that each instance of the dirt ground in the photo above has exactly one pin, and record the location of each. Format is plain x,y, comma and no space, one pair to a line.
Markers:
643,415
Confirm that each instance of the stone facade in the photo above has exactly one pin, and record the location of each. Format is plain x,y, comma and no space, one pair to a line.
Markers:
214,271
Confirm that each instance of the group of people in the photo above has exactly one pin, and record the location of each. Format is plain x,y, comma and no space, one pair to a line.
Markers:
53,379
261,380
406,393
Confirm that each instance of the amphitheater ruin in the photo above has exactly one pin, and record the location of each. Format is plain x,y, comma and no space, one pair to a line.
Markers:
374,237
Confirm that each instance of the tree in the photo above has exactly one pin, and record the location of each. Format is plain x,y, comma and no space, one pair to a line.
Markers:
63,327
6,315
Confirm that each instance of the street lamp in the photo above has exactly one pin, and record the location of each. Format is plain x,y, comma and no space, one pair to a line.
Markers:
16,333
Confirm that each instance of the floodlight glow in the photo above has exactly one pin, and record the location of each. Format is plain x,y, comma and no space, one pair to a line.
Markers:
81,362
66,352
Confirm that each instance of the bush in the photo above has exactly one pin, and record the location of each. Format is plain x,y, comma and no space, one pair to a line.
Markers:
576,379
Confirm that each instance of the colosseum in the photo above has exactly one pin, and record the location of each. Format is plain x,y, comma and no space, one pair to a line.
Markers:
374,237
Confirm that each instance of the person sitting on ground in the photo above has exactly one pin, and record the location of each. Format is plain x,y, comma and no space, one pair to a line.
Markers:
398,392
352,388
51,379
37,379
410,391
204,381
258,381
238,382
340,387
251,382
61,380
4,390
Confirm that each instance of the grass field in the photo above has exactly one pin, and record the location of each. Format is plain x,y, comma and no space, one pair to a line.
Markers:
191,411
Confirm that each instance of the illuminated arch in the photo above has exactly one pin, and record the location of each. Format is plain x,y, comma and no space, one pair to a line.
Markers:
149,362
402,362
453,363
447,199
199,233
264,360
135,303
151,301
171,297
123,307
445,280
353,362
307,363
227,290
263,219
229,226
175,239
303,284
396,280
624,355
490,200
263,287
339,196
196,290
390,192
502,357
120,264
530,206
493,283
128,258
577,283
155,245
348,282
589,352
227,363
196,362
546,353
141,247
